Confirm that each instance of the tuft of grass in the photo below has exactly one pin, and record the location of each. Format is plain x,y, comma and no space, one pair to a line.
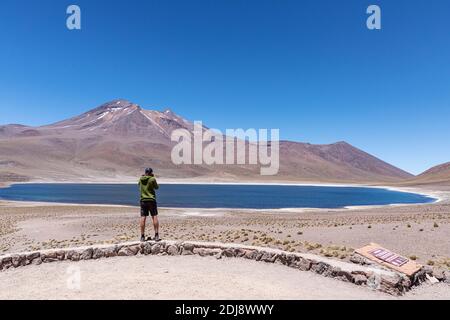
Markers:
413,257
408,225
420,230
430,262
435,225
369,226
299,233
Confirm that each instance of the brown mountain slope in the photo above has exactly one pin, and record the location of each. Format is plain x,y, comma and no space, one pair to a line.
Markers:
439,175
116,140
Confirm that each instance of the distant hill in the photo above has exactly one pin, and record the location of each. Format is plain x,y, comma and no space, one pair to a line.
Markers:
119,138
439,175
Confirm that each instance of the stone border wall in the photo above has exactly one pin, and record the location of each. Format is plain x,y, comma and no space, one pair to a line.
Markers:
376,278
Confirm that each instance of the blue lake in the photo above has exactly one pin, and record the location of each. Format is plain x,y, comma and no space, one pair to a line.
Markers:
214,196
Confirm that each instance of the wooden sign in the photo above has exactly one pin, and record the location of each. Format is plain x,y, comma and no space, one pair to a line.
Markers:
389,259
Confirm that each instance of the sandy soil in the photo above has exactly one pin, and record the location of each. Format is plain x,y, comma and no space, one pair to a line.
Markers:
184,277
420,232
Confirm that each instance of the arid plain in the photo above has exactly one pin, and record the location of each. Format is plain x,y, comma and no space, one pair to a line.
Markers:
420,232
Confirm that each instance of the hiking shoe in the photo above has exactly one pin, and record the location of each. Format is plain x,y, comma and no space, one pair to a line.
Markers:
156,238
142,238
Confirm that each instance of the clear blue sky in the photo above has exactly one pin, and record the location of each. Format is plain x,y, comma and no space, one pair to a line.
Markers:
310,68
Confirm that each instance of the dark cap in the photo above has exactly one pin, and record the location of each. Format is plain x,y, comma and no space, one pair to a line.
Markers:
148,170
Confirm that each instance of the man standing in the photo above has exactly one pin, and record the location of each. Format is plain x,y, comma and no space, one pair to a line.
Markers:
147,186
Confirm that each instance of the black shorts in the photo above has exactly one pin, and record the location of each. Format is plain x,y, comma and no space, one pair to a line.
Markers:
149,207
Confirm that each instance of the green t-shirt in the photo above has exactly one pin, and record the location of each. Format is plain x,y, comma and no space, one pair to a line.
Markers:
147,187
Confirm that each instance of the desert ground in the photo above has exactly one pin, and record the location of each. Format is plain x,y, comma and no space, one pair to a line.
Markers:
420,232
186,278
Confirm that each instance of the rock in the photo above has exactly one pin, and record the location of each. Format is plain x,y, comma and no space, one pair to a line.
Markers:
49,257
432,280
304,264
442,275
61,255
287,260
33,256
374,281
228,252
37,261
358,259
130,250
320,267
206,252
358,272
292,260
258,255
134,249
156,248
18,260
7,262
331,272
163,247
265,256
359,279
185,252
199,251
213,252
87,254
73,255
240,252
420,276
98,253
110,252
342,275
281,259
172,250
427,269
406,283
268,257
146,248
391,285
47,260
188,247
250,254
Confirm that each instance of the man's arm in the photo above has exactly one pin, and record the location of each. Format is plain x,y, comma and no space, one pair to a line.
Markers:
155,184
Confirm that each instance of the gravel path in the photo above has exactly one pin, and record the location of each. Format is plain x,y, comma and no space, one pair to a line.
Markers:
183,277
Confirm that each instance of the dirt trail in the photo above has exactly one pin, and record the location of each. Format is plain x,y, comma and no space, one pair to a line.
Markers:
184,277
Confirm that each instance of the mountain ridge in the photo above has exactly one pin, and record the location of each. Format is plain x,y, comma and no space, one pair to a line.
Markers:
437,175
119,138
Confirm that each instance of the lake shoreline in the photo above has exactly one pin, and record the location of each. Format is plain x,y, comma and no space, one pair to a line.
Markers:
433,194
410,230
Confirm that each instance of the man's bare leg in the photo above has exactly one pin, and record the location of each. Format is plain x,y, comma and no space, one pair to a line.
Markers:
156,225
143,220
